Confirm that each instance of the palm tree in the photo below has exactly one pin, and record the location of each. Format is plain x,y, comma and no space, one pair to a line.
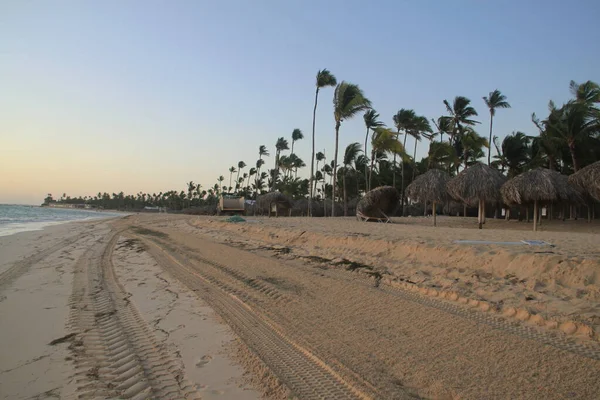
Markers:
460,115
350,154
280,145
262,151
384,140
324,79
513,154
348,100
420,127
371,121
296,135
494,101
472,145
443,125
231,171
241,165
403,121
319,157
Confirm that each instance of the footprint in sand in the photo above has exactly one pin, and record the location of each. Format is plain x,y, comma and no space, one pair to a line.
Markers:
203,361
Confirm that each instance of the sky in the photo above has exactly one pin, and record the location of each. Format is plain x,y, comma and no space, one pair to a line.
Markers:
147,95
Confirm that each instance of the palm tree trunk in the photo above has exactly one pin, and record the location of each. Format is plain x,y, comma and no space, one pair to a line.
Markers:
490,142
434,213
345,194
371,170
573,156
367,164
535,215
335,158
479,215
414,160
394,165
312,157
402,172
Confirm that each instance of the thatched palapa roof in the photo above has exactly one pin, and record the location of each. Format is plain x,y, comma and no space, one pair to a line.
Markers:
478,182
540,184
264,201
383,199
588,180
431,186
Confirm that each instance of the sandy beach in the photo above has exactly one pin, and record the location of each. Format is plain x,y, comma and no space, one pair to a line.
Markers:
174,306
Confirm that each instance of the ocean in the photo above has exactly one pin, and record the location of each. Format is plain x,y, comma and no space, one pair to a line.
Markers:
19,218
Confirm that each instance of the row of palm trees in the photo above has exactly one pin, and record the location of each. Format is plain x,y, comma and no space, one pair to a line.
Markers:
567,139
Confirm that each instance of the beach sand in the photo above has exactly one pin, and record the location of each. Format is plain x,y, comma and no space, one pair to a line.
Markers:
174,306
37,359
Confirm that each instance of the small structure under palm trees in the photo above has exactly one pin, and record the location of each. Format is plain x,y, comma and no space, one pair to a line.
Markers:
478,184
431,186
378,204
274,202
540,185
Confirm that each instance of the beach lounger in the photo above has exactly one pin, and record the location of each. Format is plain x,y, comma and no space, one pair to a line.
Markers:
361,217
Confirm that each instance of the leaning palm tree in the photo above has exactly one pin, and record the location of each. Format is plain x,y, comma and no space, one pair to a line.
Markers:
231,171
403,121
350,154
420,128
296,135
280,145
348,100
324,79
460,115
494,101
371,121
241,165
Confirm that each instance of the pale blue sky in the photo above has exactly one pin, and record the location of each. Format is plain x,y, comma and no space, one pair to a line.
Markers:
146,95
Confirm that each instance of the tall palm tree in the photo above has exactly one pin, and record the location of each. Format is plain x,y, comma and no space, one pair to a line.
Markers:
319,157
324,79
241,165
348,100
296,135
280,145
494,101
231,171
350,155
371,121
262,151
460,115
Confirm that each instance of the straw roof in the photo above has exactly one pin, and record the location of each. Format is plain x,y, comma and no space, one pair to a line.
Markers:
539,184
431,186
588,180
381,199
478,182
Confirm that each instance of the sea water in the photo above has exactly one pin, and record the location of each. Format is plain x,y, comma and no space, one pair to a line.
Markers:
20,218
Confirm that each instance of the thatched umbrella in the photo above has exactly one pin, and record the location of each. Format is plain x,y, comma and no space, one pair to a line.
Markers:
477,184
265,202
378,203
431,186
588,180
538,185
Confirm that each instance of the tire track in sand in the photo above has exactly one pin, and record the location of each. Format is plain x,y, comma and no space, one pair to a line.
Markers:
115,352
304,373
